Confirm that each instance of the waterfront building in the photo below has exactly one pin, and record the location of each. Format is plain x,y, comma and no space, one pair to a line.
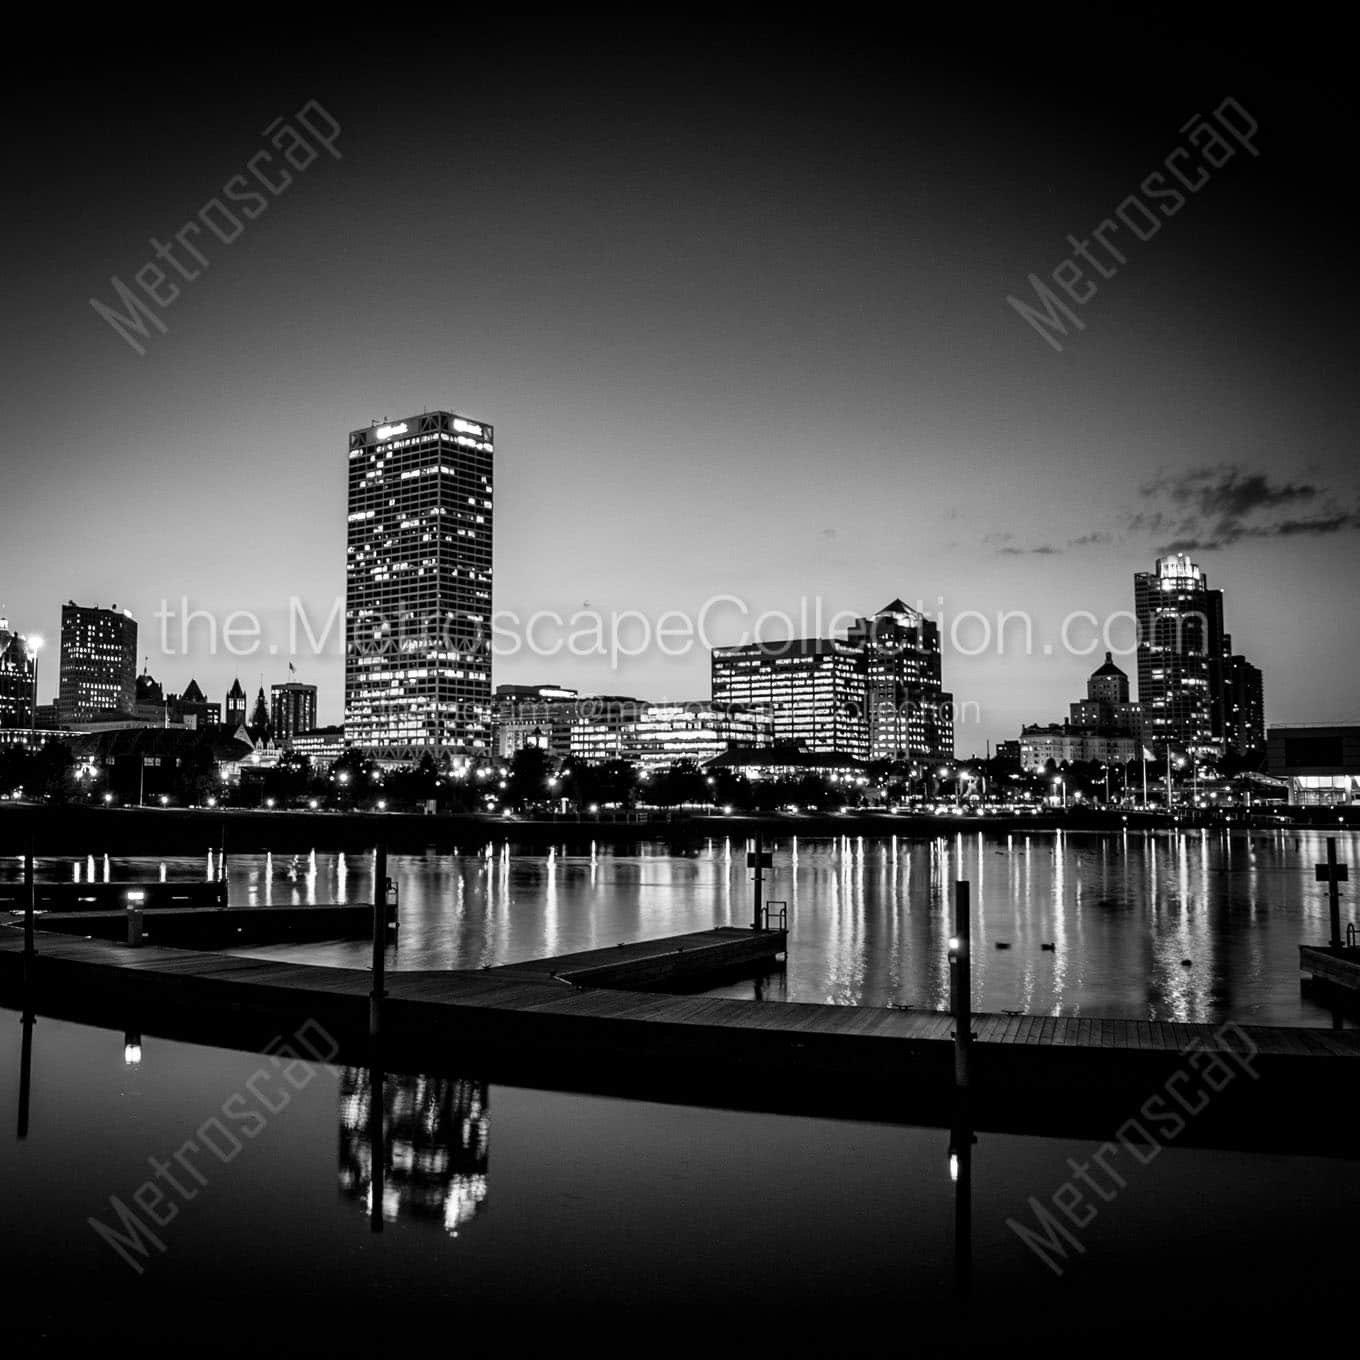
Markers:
604,726
533,715
665,733
1107,707
98,672
785,760
1319,762
17,678
909,714
812,689
418,592
292,709
323,746
1196,693
1064,744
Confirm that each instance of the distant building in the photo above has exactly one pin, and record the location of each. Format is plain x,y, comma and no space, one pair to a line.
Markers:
292,710
811,689
418,599
1064,744
1106,708
16,679
323,746
909,714
193,709
1196,694
98,662
234,711
874,695
786,761
534,715
1320,763
603,727
1244,708
665,733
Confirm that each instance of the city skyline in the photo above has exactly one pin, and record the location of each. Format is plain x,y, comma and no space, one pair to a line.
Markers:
699,381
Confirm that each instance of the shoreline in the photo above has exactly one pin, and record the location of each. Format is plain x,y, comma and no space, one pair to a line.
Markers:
81,829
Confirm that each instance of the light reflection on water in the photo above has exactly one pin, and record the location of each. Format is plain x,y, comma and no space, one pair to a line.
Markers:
1185,926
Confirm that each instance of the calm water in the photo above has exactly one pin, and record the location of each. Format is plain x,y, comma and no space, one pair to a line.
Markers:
870,918
522,1220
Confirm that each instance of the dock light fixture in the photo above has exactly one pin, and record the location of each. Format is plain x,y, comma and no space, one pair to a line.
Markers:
132,1054
953,1165
382,804
135,895
953,946
108,797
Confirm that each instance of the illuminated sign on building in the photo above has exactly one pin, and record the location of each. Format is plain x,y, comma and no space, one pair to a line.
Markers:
391,431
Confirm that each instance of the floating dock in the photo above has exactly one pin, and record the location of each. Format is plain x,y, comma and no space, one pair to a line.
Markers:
533,1025
219,927
95,896
1337,969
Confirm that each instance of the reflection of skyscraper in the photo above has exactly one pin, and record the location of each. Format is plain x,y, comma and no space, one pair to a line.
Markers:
435,1135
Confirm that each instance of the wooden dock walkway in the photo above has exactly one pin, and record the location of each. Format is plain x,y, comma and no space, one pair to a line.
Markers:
522,1024
219,927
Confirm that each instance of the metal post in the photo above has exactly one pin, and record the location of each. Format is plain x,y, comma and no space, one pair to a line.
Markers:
758,883
1334,892
375,997
961,979
134,926
961,1173
30,906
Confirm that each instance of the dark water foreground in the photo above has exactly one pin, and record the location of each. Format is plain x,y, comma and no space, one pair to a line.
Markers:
522,1219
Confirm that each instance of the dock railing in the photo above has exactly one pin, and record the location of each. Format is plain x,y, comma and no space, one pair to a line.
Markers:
768,915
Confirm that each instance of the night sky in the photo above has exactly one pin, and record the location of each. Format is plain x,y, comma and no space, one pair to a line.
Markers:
734,300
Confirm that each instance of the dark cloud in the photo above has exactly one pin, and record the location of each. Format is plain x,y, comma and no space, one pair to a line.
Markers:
1042,550
1087,540
1214,507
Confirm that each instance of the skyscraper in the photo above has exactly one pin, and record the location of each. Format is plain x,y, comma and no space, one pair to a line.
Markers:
1180,655
418,588
909,714
98,662
292,709
16,678
1244,709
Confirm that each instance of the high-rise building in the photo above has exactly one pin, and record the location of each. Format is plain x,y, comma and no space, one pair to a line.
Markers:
811,689
98,662
292,709
535,715
418,588
1180,655
908,712
16,678
875,695
1244,708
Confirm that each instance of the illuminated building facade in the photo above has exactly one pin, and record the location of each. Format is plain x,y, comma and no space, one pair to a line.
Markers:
1064,744
1244,708
534,715
1320,763
98,662
909,714
292,709
1180,655
418,588
16,679
811,688
323,746
603,727
1106,707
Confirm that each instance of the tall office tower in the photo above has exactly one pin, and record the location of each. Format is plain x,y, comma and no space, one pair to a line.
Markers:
234,715
98,662
292,709
16,678
418,588
1244,708
1180,655
904,702
811,690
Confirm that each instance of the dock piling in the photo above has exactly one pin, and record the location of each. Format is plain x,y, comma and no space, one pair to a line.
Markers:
30,905
960,977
